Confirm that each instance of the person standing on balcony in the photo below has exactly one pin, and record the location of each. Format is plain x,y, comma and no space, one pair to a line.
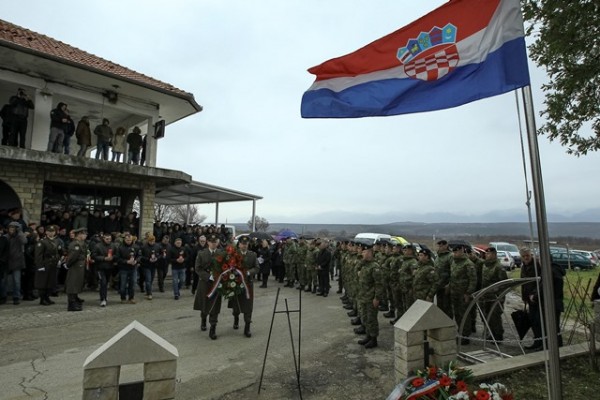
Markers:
118,144
83,134
105,136
59,120
20,104
135,141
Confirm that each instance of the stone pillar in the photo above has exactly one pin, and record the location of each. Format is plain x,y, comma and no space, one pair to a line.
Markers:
40,124
147,208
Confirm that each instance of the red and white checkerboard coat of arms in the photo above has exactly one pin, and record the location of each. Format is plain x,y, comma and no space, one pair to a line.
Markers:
434,63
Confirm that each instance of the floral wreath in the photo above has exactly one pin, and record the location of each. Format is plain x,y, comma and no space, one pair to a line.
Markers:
451,383
227,275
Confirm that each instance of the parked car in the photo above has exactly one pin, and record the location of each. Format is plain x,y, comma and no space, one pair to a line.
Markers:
511,248
371,238
506,260
571,260
589,254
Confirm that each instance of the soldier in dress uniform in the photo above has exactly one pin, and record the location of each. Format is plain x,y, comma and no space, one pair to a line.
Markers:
209,308
463,281
426,278
241,303
492,273
77,261
48,253
370,292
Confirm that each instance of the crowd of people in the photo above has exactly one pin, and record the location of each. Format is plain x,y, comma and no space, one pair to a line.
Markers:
102,250
15,115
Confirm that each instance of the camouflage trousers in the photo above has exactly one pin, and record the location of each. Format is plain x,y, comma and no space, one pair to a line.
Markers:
444,302
311,277
368,315
290,271
302,274
459,308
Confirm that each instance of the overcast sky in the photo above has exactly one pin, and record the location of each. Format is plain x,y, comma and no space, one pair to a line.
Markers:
246,61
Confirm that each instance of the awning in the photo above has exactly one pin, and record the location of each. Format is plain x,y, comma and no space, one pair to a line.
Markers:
199,193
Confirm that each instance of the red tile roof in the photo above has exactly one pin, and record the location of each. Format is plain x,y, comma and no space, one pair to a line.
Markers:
47,47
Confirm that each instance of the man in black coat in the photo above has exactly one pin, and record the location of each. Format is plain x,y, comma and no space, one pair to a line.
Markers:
20,104
323,264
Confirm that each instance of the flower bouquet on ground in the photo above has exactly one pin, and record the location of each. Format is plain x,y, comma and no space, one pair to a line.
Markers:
227,277
450,383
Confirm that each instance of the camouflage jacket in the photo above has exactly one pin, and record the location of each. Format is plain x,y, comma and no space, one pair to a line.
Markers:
443,266
406,273
463,278
492,273
425,281
369,281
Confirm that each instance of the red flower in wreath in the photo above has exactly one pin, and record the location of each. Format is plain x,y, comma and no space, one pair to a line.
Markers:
432,372
482,395
445,381
461,386
418,382
219,259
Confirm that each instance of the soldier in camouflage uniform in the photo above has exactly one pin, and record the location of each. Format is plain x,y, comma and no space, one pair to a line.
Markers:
370,291
289,259
311,267
442,265
478,262
463,280
426,278
380,256
394,283
301,257
386,271
492,273
348,266
340,265
406,275
353,272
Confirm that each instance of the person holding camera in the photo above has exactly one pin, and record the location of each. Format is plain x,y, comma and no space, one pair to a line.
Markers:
20,106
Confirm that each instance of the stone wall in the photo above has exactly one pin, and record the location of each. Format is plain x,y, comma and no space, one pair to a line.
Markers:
27,180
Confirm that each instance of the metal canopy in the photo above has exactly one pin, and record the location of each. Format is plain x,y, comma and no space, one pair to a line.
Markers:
199,193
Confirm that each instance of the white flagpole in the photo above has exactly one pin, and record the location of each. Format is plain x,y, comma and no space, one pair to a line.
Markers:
554,382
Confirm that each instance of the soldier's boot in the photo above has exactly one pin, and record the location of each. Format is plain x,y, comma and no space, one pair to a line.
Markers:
213,332
236,321
247,332
73,304
356,321
361,330
203,324
390,314
352,313
79,299
348,306
308,288
372,343
365,340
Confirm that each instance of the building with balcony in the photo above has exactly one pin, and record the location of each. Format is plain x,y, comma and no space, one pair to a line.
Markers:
51,72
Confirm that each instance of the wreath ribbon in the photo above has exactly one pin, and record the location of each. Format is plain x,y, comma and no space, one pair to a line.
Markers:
235,271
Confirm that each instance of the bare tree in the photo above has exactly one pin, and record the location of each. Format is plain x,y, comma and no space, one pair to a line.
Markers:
178,214
260,223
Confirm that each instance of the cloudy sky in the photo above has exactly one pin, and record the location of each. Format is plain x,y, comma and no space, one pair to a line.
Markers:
246,61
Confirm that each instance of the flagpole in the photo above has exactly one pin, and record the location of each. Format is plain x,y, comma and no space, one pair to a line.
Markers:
554,381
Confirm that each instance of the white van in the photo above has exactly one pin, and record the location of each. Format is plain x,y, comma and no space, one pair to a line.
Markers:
511,248
371,238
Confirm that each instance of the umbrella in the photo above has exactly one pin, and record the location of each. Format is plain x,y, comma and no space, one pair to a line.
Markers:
260,236
286,233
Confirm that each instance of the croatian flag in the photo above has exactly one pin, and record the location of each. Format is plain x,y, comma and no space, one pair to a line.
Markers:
463,51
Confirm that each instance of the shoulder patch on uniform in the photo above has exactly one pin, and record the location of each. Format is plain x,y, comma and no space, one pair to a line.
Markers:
76,247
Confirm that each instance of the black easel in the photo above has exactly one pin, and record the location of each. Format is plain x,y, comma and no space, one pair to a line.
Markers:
296,359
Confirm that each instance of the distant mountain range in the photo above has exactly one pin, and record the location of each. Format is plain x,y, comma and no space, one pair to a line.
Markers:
506,223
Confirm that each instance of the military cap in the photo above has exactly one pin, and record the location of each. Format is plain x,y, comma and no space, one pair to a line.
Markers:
51,228
79,230
427,252
409,246
211,238
15,224
442,242
458,247
366,246
490,250
244,240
